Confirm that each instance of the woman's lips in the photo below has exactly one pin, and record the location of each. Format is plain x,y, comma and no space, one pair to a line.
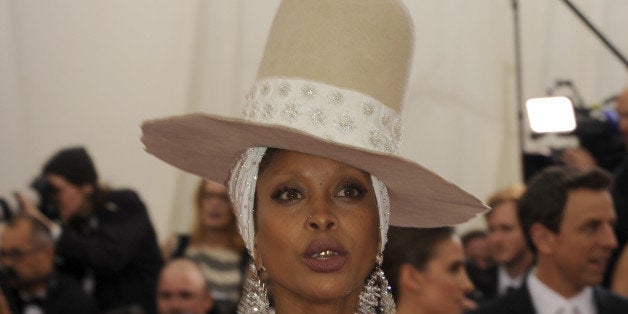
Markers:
324,256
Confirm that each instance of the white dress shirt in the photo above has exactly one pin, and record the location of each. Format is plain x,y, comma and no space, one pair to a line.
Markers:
33,307
548,301
504,281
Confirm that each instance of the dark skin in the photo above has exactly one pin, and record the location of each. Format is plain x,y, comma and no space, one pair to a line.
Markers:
305,200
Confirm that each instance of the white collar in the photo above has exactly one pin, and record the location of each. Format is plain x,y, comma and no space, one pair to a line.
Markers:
37,295
504,281
548,301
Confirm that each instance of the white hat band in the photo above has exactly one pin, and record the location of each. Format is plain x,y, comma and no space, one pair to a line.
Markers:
324,111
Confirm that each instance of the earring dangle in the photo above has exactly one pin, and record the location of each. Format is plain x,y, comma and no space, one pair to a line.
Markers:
255,295
376,296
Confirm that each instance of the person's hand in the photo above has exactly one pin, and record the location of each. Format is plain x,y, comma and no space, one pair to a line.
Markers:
29,208
578,158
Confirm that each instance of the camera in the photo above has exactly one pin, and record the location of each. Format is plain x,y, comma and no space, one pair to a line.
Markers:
46,193
593,127
8,207
42,194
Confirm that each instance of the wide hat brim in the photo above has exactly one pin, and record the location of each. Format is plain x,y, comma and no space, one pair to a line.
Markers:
208,146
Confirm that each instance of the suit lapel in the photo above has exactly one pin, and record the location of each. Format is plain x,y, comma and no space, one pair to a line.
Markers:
522,301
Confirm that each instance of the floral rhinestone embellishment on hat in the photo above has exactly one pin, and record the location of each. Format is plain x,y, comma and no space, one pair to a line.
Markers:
327,112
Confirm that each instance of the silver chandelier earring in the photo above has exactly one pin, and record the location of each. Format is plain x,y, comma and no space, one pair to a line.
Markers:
376,296
255,296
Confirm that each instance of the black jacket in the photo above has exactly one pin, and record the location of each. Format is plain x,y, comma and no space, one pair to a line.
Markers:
64,296
620,199
119,246
520,302
484,282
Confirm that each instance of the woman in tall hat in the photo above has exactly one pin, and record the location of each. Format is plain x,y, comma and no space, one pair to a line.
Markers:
314,169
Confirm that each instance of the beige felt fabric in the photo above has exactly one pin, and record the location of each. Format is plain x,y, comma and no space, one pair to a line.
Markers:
364,46
361,45
197,144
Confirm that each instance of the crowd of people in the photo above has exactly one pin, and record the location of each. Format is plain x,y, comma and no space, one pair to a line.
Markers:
546,246
318,211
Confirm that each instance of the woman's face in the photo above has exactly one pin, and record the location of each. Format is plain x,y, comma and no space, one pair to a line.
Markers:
444,283
215,208
69,198
317,227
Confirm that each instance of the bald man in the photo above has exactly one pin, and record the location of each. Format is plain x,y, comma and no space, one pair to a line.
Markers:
182,288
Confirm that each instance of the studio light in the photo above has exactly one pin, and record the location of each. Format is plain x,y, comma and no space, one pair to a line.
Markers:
551,115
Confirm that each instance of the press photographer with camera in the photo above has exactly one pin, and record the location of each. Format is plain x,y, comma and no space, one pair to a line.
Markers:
103,237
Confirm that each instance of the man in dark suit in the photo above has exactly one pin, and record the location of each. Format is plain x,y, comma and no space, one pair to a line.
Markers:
567,217
29,283
507,243
479,266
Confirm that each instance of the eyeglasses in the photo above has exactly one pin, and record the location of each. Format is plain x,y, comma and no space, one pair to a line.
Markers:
18,254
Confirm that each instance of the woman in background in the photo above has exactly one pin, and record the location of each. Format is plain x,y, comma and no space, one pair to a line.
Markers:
425,268
214,244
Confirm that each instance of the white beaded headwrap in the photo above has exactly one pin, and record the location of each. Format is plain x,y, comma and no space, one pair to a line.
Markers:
242,185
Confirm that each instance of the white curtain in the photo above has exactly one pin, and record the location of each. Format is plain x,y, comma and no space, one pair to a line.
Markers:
89,72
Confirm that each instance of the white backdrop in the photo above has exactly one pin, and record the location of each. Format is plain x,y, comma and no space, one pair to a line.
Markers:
89,72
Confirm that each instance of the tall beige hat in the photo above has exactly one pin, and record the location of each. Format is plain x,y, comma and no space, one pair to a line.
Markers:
331,83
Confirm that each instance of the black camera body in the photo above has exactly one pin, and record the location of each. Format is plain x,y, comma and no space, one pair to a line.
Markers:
7,209
46,192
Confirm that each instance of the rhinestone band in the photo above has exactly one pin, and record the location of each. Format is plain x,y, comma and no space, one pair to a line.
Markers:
327,112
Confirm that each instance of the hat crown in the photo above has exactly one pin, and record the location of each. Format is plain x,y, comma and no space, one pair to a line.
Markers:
331,83
360,45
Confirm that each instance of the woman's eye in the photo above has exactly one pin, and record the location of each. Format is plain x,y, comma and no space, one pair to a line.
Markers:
286,194
352,191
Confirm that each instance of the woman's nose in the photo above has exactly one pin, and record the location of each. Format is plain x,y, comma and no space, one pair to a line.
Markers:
466,284
321,217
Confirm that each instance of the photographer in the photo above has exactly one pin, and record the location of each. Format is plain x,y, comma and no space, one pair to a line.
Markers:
103,237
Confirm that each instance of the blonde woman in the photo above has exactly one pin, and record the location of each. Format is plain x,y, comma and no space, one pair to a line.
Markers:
214,244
